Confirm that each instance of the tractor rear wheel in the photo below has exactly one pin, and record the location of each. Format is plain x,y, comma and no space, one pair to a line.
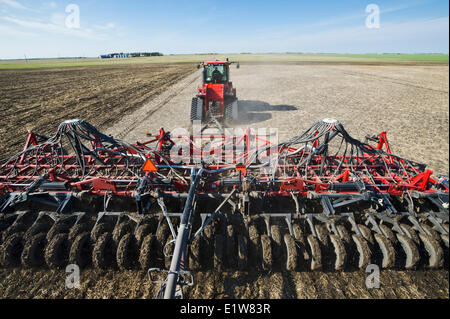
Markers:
196,109
232,111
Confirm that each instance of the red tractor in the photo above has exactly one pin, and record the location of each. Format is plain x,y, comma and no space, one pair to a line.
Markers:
216,98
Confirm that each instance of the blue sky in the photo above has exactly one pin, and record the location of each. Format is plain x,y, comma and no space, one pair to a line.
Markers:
37,28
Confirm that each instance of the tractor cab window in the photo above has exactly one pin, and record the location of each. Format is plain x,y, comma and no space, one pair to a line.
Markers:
216,73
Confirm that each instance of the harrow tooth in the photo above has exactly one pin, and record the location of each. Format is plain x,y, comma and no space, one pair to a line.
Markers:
364,252
57,228
208,251
81,250
98,231
242,252
266,250
344,234
445,240
6,222
298,232
57,251
168,251
339,252
316,253
38,228
291,253
427,246
231,246
78,230
208,232
333,251
388,233
104,252
148,255
277,247
445,227
301,244
162,233
322,235
11,250
387,250
219,244
411,252
34,251
434,251
445,250
18,227
410,232
122,229
127,252
254,246
143,230
431,232
367,234
195,253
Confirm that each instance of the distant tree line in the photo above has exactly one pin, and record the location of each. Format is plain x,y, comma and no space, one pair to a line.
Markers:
129,55
139,54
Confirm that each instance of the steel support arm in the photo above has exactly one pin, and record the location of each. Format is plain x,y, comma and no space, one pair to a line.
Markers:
182,237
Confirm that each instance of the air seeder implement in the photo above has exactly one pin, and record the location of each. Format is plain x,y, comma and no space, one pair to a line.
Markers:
321,200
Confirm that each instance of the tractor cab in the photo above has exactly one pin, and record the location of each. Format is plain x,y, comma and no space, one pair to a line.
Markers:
216,72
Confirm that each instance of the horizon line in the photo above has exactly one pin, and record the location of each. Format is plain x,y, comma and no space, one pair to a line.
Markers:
242,53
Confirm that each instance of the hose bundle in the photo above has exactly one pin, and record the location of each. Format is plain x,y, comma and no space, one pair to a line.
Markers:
81,139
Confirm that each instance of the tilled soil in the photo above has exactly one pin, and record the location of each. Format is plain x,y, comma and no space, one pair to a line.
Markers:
40,100
409,102
236,285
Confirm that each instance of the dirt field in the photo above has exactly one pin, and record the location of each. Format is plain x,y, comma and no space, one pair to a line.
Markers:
41,99
409,102
236,285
